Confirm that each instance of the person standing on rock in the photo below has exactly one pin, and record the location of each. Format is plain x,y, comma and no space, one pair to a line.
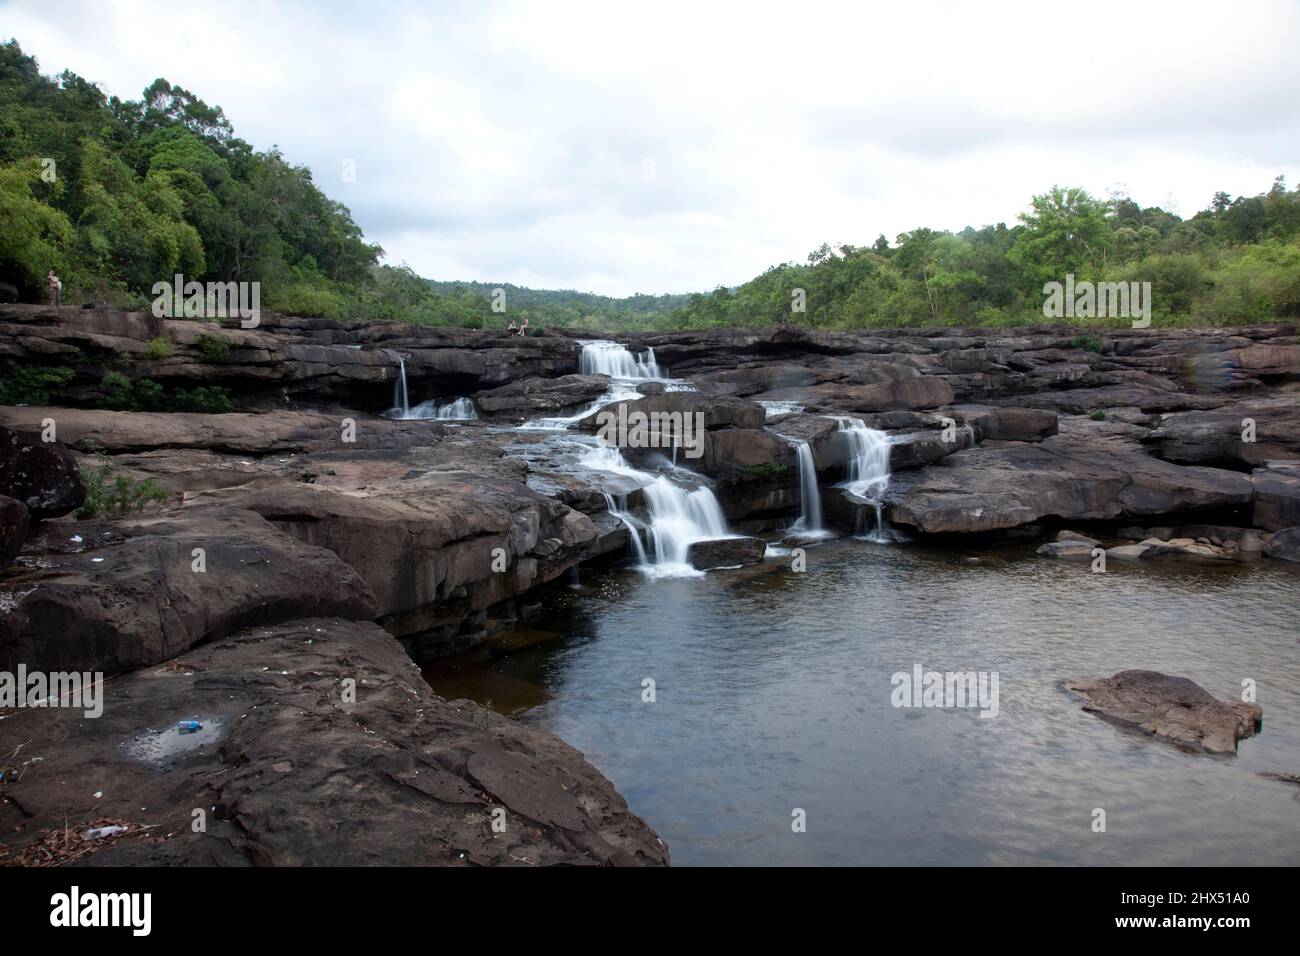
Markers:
56,288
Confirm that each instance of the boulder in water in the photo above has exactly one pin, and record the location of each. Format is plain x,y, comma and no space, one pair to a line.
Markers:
1068,550
726,553
1174,709
1285,545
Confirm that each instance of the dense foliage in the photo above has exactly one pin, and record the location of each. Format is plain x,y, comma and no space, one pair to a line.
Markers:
115,195
1236,262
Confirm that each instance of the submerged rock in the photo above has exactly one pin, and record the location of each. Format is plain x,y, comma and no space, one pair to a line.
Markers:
725,553
1173,709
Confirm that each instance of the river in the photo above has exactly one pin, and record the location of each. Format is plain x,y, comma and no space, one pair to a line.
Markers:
773,693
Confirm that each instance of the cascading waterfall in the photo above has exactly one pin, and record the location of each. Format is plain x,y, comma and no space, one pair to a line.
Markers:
401,398
868,469
678,516
810,511
617,361
461,410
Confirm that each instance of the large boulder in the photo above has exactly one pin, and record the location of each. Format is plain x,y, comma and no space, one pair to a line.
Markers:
1009,423
320,744
40,474
138,590
238,433
1285,545
1073,477
13,529
725,553
434,547
536,396
1218,436
1173,709
904,392
1277,495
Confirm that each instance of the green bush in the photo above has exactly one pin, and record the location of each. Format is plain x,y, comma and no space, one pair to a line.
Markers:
145,395
214,347
1089,343
159,348
212,400
33,386
112,494
1098,416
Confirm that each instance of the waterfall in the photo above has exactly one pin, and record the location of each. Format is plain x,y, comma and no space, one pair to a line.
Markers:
678,516
624,369
609,358
868,468
462,409
810,510
401,400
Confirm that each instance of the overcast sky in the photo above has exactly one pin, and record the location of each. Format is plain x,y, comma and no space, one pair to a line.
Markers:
624,147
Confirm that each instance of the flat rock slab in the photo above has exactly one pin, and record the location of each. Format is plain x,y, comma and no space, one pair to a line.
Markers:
288,770
725,553
1173,709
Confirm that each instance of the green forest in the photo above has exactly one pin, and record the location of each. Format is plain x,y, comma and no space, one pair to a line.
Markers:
115,195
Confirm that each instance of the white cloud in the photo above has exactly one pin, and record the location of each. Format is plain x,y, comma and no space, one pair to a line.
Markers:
507,142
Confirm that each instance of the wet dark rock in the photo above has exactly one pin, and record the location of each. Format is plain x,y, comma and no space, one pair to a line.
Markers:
1173,709
726,553
40,474
13,529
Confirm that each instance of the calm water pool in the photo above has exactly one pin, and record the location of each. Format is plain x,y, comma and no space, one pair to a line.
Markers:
773,693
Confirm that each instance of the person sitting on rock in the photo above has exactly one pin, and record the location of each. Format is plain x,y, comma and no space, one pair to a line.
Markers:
56,288
523,326
512,329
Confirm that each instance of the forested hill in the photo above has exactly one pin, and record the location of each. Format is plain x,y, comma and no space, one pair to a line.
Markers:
1236,262
115,195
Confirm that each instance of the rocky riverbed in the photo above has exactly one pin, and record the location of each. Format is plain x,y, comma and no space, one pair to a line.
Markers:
326,530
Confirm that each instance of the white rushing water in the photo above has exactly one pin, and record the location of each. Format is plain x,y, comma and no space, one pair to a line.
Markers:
680,507
460,410
616,361
773,408
810,498
678,515
868,469
401,398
